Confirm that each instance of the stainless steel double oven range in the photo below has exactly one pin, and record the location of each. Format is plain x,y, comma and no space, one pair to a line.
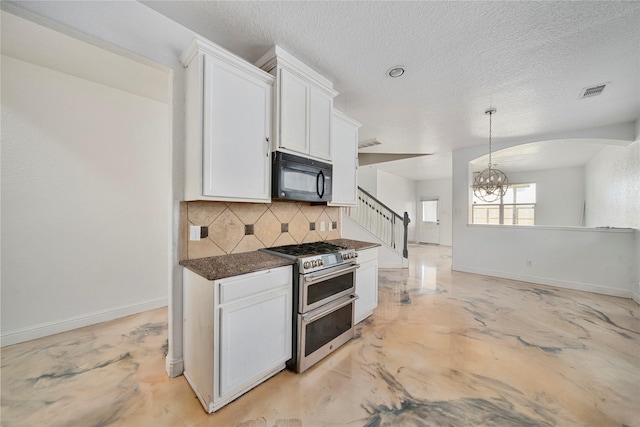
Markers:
323,299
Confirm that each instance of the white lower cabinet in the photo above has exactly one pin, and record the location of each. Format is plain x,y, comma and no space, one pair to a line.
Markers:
366,284
237,332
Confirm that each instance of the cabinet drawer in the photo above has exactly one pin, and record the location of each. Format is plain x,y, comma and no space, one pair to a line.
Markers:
367,255
248,285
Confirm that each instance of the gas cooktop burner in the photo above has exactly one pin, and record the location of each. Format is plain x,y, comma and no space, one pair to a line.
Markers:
307,249
315,256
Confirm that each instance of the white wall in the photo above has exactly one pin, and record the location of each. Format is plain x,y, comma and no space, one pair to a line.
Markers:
559,194
368,179
636,290
613,187
399,194
135,31
85,200
440,189
573,257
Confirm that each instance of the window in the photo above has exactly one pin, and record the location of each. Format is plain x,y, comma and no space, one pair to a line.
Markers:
516,207
429,211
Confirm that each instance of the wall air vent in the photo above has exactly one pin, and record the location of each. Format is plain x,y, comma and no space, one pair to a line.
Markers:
592,91
368,143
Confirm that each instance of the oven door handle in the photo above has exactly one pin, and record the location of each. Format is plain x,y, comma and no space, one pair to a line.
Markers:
336,305
314,279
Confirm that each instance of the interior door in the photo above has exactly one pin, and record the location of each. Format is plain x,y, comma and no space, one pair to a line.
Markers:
430,221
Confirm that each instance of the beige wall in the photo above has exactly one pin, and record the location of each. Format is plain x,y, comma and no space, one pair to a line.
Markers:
245,227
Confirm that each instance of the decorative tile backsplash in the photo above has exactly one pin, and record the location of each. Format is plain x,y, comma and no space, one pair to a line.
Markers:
245,227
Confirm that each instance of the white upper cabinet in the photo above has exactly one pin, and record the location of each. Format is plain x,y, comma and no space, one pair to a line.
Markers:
293,112
320,124
228,121
303,107
344,140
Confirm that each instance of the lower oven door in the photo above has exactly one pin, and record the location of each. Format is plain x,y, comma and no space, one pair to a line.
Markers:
323,330
324,286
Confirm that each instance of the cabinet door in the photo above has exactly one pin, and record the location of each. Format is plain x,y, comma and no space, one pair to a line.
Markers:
294,102
255,337
344,139
367,286
320,111
236,129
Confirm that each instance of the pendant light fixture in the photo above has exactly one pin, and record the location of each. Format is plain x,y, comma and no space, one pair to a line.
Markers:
490,184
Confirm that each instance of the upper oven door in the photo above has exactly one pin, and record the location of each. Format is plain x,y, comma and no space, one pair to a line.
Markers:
324,286
299,178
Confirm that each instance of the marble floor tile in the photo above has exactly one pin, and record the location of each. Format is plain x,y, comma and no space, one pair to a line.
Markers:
442,349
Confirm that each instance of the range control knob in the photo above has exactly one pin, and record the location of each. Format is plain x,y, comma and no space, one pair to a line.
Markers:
320,262
355,254
306,264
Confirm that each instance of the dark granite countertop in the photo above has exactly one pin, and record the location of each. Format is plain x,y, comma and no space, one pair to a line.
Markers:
358,245
219,267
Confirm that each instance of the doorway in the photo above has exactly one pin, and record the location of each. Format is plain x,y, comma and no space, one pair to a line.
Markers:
429,226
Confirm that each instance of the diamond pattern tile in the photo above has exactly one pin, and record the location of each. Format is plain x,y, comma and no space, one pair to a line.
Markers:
183,235
247,244
298,227
333,212
267,229
248,212
312,212
204,213
333,234
284,239
230,226
312,236
204,248
323,218
226,231
284,211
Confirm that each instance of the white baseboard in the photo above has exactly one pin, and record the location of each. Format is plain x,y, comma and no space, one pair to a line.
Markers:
63,325
577,286
636,294
174,367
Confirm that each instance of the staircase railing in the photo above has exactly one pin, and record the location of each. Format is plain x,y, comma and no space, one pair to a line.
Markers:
382,221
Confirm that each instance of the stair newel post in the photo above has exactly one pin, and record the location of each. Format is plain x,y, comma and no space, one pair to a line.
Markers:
405,222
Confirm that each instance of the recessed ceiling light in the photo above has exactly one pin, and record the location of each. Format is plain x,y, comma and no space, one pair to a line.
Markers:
396,71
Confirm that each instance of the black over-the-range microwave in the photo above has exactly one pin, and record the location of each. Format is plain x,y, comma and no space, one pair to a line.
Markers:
299,178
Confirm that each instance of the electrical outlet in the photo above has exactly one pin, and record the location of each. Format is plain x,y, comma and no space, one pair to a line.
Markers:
194,232
321,225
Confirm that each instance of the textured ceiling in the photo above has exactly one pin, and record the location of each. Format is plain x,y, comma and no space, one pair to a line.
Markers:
530,60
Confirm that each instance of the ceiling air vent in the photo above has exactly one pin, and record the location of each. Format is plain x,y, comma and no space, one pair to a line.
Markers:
368,143
592,91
